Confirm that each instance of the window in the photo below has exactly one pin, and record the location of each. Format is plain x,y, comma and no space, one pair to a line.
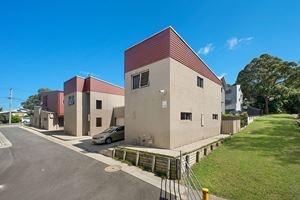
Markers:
135,82
199,82
215,116
98,104
227,102
228,91
71,100
144,79
186,116
140,80
98,122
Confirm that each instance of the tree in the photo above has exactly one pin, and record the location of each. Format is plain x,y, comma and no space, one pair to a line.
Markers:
1,109
34,100
267,77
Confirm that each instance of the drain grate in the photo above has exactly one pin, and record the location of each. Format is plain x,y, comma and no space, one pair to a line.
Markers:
113,168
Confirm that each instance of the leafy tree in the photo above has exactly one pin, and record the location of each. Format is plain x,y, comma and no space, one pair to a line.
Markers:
1,109
34,100
267,77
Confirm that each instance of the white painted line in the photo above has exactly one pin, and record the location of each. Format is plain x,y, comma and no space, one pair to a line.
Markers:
4,143
2,187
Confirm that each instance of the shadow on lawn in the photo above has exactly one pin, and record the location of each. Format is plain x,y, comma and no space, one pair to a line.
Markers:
277,138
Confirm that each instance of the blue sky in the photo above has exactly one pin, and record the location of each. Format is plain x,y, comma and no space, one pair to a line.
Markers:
42,44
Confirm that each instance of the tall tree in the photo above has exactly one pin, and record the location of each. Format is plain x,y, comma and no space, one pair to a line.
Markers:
266,77
34,100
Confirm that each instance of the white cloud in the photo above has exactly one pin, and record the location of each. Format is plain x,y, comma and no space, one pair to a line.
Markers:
235,42
207,49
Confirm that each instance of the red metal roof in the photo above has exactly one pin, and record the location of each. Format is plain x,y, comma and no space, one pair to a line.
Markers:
164,44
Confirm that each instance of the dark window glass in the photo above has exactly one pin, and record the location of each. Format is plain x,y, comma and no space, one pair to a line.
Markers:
215,116
228,91
145,79
136,81
98,104
199,82
71,100
98,122
185,116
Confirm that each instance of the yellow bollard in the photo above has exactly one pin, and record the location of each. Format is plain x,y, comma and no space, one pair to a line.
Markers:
204,194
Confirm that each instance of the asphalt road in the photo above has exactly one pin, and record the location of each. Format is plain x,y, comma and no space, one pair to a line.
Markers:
34,168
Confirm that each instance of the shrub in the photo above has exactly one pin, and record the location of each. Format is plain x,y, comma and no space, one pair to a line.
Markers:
15,119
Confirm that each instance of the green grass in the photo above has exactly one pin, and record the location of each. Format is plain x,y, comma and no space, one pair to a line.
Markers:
260,162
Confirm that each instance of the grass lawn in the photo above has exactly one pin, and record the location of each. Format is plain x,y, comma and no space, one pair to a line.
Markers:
260,162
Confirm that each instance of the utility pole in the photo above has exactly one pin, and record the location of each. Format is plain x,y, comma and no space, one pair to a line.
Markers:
10,104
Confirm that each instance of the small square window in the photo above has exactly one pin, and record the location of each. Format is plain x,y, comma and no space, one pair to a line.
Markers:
136,81
215,116
98,104
186,116
98,122
199,82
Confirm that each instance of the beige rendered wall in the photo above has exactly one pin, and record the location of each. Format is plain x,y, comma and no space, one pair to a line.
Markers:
186,96
145,117
49,120
75,114
109,101
119,115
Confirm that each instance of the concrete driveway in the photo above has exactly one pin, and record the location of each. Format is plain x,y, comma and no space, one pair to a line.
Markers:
34,168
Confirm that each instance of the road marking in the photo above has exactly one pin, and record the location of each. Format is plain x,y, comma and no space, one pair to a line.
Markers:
4,143
2,187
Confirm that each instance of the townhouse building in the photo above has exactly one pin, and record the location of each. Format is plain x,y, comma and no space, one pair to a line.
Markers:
91,106
172,98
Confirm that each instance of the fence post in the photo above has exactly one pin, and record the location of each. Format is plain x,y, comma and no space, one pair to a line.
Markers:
153,163
204,194
169,168
114,153
124,155
137,158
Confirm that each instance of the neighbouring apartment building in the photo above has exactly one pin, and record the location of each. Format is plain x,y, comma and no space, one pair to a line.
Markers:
50,114
233,99
172,98
91,106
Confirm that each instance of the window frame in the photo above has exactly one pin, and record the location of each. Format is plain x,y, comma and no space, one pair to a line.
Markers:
215,116
100,124
71,100
186,116
139,74
200,82
98,104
